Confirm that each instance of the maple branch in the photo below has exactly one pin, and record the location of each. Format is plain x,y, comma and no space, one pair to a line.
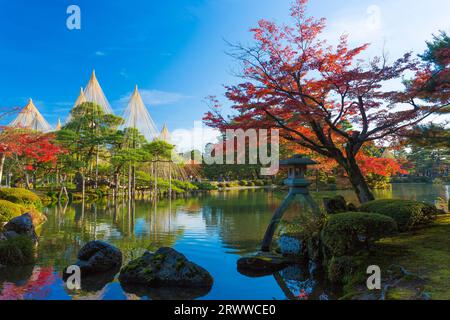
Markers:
311,144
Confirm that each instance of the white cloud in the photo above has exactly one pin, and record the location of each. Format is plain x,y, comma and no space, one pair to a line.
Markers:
100,53
397,26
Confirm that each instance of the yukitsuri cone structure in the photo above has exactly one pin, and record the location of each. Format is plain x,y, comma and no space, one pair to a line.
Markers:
31,118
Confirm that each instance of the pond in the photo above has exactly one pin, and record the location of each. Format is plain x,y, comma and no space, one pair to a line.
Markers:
213,230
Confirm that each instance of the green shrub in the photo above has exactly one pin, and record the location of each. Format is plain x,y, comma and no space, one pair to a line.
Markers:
349,232
9,210
259,183
206,186
184,185
52,197
348,271
243,183
407,213
21,196
164,185
340,268
331,180
17,251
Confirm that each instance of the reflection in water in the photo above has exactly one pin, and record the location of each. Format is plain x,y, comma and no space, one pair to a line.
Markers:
212,230
35,286
162,293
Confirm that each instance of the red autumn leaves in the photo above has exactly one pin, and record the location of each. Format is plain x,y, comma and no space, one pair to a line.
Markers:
32,147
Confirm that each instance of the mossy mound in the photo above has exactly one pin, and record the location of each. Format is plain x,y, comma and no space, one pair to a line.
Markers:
9,210
21,196
407,213
17,251
349,232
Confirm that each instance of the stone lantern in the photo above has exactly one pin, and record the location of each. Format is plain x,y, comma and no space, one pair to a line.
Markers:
298,187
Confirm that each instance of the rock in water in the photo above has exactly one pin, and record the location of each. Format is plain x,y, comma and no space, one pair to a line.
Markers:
98,256
20,226
165,268
262,264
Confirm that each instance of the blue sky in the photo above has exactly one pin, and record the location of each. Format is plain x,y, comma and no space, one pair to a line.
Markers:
174,50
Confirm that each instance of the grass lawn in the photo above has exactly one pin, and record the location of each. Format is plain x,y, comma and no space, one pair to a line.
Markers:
425,252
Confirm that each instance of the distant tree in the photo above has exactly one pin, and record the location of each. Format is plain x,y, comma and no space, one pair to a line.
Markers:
430,149
126,152
158,150
89,133
430,136
436,76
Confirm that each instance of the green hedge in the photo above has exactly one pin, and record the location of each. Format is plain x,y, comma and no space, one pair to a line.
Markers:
21,196
349,232
184,185
17,251
407,213
9,210
206,186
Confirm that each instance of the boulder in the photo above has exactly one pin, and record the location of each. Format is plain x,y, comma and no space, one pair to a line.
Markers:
335,205
165,268
262,264
20,226
97,257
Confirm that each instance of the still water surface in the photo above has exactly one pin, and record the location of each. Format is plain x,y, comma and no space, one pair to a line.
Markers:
213,230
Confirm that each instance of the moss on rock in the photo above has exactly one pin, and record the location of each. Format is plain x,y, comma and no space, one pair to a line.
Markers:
17,251
9,210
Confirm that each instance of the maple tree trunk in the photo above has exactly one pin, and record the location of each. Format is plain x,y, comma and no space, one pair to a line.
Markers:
358,181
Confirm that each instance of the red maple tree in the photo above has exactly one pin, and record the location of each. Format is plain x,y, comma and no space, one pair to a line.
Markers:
295,82
30,148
